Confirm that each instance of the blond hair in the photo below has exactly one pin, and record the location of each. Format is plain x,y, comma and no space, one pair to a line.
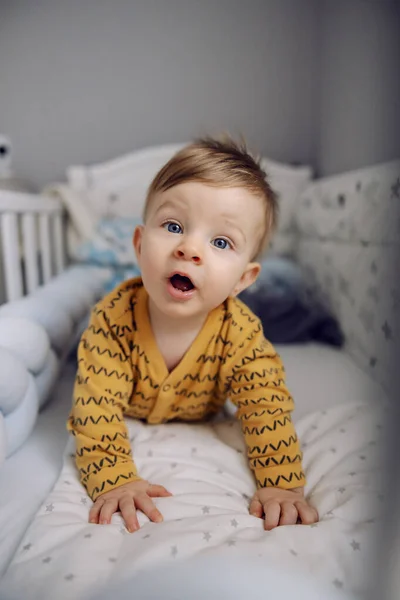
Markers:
219,162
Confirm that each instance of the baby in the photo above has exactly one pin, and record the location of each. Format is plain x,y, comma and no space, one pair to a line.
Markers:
175,343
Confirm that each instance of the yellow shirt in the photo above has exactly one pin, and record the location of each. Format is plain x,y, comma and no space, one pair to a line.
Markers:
122,372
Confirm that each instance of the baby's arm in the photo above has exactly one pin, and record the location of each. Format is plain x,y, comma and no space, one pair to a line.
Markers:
103,387
257,387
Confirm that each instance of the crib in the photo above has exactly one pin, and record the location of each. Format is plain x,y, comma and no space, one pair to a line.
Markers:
333,228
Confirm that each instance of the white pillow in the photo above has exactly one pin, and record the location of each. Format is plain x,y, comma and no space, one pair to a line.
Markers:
119,187
289,182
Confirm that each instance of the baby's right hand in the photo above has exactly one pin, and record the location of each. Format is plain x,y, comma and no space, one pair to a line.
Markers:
128,498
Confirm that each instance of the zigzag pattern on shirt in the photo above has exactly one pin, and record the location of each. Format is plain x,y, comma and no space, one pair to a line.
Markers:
138,394
192,407
267,411
113,438
97,331
81,380
198,377
259,431
185,392
106,351
210,358
117,394
268,481
240,389
222,340
138,411
122,294
139,377
113,482
94,467
96,447
113,373
120,330
255,353
254,333
96,420
285,459
98,401
141,353
238,377
293,439
260,399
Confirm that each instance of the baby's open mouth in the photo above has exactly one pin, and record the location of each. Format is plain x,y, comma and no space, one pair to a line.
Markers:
182,283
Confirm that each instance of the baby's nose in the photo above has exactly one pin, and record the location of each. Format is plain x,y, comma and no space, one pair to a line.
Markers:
188,251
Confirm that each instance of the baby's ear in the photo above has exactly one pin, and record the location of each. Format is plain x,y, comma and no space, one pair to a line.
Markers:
137,240
248,277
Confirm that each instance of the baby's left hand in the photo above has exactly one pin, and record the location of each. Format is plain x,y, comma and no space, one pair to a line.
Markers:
282,507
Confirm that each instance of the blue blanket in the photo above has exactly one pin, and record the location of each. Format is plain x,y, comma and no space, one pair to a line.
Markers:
290,312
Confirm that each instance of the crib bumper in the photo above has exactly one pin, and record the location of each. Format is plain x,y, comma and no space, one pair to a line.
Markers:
28,369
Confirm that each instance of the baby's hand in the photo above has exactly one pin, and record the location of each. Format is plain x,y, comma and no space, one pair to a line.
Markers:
282,507
128,498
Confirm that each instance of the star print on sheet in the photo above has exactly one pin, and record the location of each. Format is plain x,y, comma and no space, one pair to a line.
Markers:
355,545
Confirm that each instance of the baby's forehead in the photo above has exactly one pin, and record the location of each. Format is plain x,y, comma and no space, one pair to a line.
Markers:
220,199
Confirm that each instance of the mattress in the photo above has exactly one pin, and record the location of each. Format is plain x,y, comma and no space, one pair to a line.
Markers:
205,468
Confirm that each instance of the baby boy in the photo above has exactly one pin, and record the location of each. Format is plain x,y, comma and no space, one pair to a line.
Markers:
175,343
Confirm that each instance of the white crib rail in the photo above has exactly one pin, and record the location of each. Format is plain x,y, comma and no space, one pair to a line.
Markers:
32,241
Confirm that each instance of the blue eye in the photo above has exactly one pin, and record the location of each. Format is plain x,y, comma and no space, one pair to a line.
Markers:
221,243
172,227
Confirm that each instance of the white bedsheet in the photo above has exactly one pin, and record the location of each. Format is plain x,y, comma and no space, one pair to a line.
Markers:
30,474
204,466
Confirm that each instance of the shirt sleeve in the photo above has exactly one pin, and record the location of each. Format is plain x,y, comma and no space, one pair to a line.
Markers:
255,382
103,387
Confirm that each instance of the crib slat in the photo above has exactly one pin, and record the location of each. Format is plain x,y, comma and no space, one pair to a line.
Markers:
30,250
12,263
58,242
45,247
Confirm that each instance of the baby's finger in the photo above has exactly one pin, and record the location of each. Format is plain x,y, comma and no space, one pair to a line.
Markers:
256,508
128,512
307,514
146,505
157,491
272,510
107,510
95,511
289,514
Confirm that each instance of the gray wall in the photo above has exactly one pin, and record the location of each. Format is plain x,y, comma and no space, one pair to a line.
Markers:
360,85
84,81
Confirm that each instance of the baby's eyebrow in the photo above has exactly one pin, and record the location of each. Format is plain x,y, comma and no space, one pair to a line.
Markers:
231,222
170,204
